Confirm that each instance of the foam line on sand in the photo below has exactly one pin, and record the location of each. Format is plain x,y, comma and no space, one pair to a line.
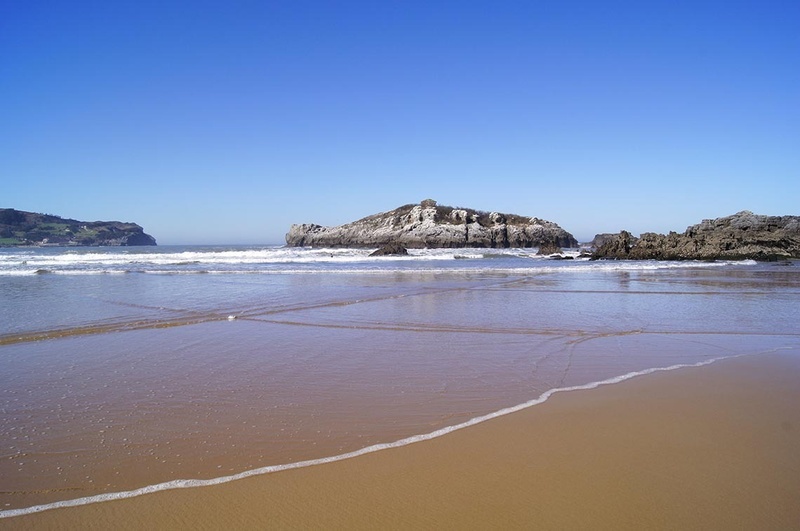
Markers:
193,483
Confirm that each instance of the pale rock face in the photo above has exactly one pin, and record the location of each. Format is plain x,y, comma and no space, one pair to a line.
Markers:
429,225
459,216
497,218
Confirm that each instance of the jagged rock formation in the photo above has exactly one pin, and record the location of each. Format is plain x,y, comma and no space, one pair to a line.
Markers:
549,248
600,239
390,249
741,236
429,225
18,227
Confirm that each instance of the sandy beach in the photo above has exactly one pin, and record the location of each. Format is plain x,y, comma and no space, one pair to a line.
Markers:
713,447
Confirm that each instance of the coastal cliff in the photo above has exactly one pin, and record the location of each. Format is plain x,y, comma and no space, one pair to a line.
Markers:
18,227
429,225
741,236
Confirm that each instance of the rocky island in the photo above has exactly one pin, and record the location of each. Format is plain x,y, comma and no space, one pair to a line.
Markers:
741,236
430,225
18,227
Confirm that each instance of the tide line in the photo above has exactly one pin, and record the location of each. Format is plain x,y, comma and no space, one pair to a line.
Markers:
193,483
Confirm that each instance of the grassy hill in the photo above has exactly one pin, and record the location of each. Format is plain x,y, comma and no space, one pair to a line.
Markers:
19,228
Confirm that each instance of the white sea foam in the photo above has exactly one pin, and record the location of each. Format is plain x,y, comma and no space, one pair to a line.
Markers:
192,483
287,269
289,259
261,256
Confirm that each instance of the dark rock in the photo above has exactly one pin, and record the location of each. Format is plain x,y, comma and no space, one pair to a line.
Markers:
741,236
430,225
600,239
616,246
549,248
391,249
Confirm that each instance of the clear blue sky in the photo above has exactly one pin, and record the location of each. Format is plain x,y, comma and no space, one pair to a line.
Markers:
227,121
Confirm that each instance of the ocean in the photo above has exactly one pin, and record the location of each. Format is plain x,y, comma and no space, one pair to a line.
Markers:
130,370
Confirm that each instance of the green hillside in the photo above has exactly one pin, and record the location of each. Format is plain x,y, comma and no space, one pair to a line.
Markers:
20,228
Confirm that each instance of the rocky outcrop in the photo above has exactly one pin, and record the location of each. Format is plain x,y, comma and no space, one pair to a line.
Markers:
390,249
548,249
741,236
429,225
600,239
18,227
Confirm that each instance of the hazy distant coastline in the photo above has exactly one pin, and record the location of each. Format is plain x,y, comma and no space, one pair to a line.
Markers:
21,228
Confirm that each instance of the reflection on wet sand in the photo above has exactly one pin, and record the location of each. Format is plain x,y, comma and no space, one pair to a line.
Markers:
318,367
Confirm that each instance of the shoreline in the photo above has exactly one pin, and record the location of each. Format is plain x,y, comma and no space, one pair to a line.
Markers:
271,469
493,466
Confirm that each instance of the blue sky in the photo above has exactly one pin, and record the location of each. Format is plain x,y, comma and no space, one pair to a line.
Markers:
226,122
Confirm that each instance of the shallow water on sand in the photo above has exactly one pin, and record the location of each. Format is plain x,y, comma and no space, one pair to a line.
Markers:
112,382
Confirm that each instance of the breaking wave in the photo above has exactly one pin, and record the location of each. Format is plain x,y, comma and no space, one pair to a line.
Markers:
292,260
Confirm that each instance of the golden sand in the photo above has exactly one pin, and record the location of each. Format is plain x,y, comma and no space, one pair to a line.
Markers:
715,447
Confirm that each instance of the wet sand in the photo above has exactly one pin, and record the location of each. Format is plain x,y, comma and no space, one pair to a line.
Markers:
714,447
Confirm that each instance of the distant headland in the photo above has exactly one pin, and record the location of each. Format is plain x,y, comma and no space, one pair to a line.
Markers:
430,225
19,228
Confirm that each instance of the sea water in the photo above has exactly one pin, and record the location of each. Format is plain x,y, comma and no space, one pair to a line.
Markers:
129,370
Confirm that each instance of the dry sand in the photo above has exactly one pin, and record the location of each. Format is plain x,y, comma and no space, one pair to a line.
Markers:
715,447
